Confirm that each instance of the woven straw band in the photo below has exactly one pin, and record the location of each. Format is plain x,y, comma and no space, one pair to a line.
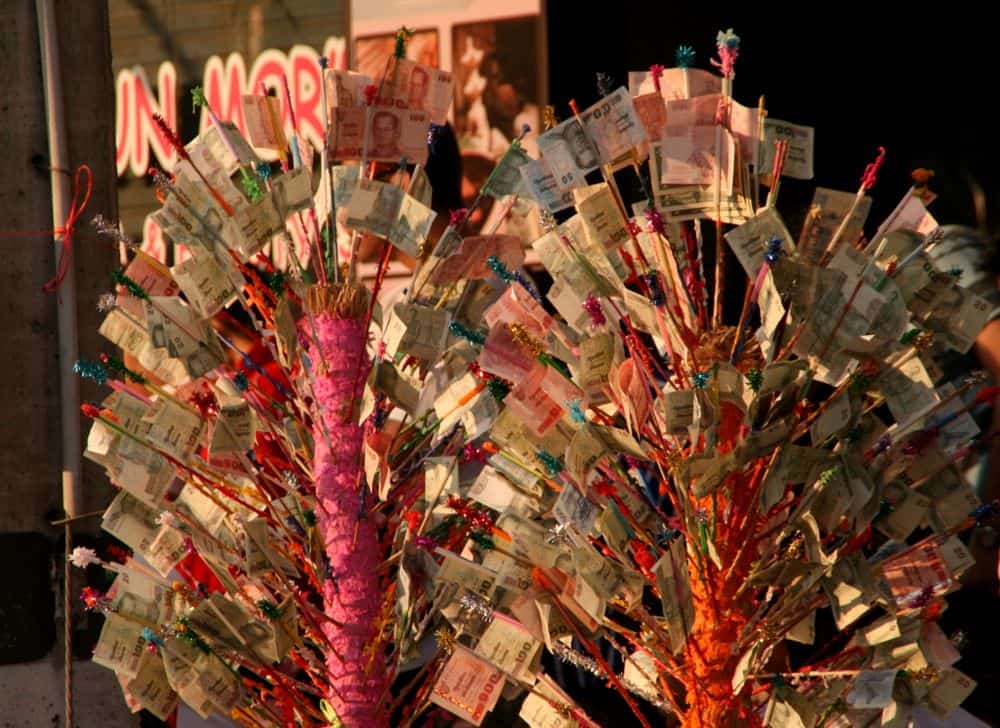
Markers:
343,300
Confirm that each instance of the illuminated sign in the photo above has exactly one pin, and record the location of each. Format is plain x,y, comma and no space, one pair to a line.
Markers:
139,143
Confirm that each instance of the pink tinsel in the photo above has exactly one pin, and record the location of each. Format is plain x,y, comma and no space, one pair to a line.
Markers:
592,305
728,46
352,596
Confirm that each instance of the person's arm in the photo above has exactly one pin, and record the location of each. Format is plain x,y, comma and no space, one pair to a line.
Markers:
982,543
988,351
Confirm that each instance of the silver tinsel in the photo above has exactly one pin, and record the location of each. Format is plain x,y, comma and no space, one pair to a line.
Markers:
161,180
589,664
558,534
106,302
976,377
574,658
473,605
111,230
291,479
547,220
652,698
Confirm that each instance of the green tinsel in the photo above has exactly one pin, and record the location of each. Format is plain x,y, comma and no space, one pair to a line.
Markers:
827,475
198,98
550,461
476,338
275,280
481,539
91,370
556,364
402,35
251,185
498,388
119,277
117,366
186,633
269,609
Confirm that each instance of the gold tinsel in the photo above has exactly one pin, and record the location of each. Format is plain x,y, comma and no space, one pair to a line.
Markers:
445,639
548,117
522,337
717,345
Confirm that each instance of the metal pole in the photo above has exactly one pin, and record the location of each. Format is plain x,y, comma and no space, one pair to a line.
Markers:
69,392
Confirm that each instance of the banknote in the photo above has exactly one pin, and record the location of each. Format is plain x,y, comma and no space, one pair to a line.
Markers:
182,677
653,113
416,87
699,155
801,144
292,191
209,283
542,186
831,206
570,153
173,428
911,214
506,179
536,400
385,210
374,206
539,709
420,186
121,645
167,550
137,596
263,121
613,126
677,203
235,427
572,508
920,568
749,241
468,686
420,331
177,328
253,226
676,83
150,688
508,645
345,179
741,120
344,89
411,226
603,223
392,134
226,147
469,260
131,521
957,317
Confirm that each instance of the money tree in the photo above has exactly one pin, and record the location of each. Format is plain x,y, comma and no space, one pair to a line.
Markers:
545,455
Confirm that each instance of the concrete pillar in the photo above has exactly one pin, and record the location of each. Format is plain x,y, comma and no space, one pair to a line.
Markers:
30,490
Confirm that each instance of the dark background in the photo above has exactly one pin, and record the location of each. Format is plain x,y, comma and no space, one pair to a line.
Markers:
917,80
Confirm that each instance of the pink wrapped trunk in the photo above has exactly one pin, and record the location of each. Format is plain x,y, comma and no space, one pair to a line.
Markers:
352,597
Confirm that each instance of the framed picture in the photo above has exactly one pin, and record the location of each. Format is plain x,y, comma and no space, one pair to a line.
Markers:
371,51
497,68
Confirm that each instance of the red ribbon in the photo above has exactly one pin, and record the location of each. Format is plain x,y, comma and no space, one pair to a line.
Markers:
871,171
67,230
